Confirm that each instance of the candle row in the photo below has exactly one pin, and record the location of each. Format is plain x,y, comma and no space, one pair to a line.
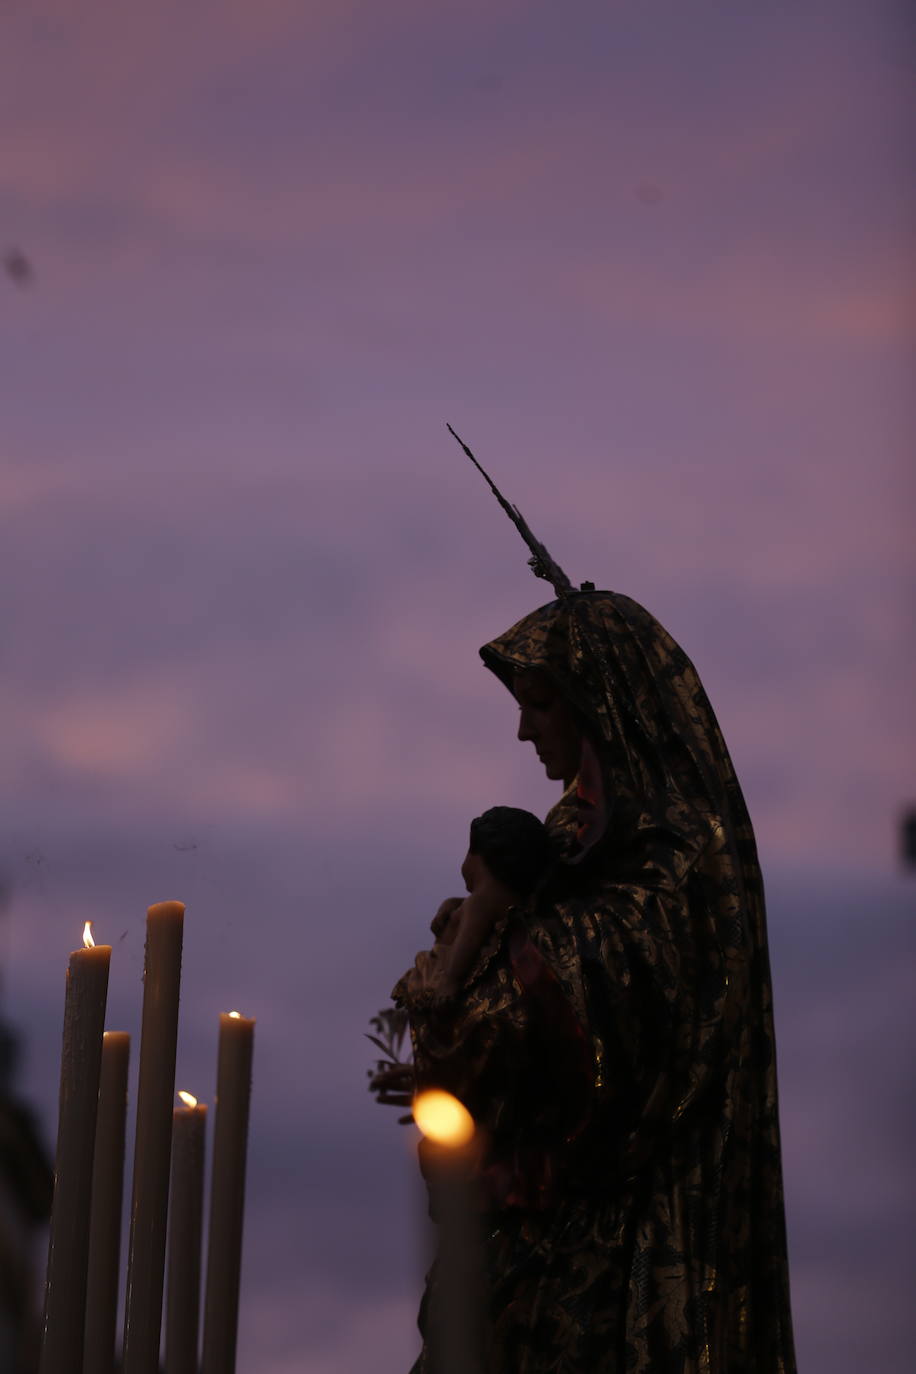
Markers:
78,1334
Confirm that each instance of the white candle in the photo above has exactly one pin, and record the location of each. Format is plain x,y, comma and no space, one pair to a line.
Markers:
450,1150
152,1149
107,1202
68,1249
227,1193
186,1205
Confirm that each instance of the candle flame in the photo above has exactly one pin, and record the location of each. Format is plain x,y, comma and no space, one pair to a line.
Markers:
88,941
188,1099
236,1015
442,1118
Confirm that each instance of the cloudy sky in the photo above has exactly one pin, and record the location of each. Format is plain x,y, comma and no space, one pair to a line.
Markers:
653,261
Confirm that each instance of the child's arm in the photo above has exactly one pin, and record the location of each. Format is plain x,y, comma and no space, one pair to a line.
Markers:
468,928
461,928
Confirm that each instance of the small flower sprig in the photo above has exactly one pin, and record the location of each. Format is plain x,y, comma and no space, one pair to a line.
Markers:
391,1025
392,1078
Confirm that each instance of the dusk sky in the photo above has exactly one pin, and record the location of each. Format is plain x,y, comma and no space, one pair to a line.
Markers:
654,262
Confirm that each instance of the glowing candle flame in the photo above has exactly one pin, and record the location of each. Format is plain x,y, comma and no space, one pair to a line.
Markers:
187,1098
88,941
236,1015
443,1118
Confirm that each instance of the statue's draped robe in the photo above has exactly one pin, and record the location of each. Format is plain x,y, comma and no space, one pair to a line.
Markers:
615,1041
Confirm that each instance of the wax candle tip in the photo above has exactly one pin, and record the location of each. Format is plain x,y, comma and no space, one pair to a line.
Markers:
442,1118
166,910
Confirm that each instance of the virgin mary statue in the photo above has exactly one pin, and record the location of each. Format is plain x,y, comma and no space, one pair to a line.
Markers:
614,1036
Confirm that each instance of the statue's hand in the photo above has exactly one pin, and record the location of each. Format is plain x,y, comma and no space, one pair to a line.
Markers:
394,1086
430,972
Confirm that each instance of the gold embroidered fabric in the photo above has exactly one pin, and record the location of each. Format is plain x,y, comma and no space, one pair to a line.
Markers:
615,1043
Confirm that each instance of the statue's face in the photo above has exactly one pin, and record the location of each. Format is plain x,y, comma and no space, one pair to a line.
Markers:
548,722
474,871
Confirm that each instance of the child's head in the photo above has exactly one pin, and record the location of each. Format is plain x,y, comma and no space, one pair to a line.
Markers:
512,845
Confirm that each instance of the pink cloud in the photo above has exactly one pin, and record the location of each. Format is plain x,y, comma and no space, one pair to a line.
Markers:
748,294
126,732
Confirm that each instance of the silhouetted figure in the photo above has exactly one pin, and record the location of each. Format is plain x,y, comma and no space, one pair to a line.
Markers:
908,837
26,1183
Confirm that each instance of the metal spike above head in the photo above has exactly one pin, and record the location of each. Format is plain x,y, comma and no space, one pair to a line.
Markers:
540,562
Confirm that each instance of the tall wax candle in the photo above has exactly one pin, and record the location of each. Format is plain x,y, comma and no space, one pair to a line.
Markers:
186,1205
449,1155
227,1193
107,1202
80,1067
152,1149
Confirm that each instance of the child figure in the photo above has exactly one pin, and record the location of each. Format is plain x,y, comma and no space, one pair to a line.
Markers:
508,854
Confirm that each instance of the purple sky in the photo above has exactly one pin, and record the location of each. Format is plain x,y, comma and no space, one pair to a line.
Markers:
653,262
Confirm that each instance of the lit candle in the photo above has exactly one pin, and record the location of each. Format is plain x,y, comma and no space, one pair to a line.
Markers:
227,1193
107,1200
186,1207
152,1149
456,1300
68,1249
